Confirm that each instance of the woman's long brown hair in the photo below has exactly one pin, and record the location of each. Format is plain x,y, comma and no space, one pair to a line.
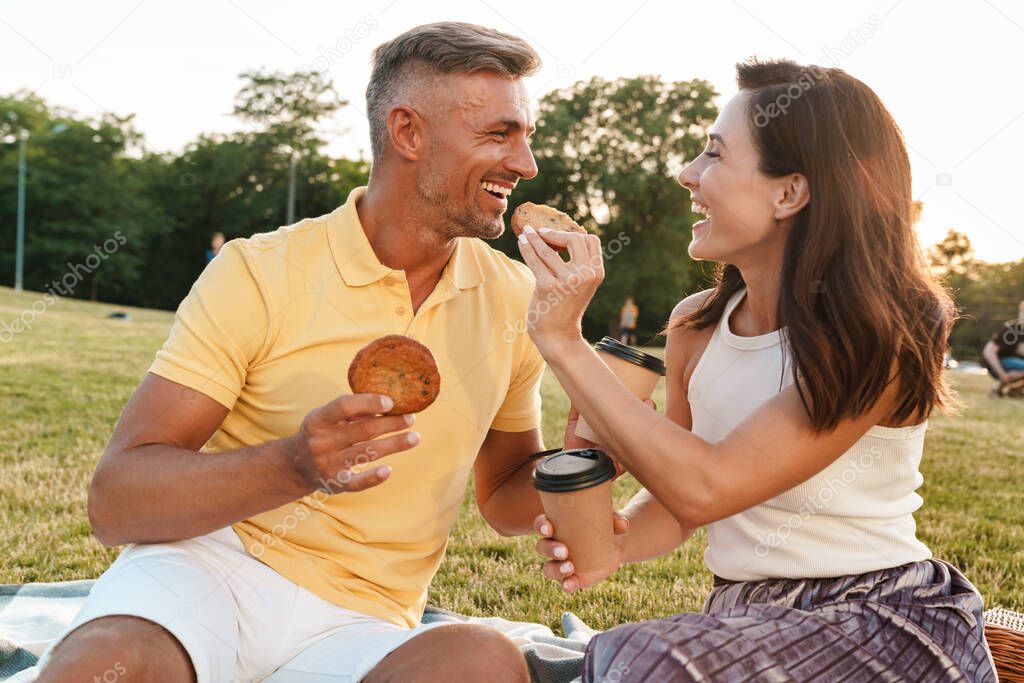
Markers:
856,295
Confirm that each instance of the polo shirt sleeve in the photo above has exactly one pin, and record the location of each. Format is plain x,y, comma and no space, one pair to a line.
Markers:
520,411
218,329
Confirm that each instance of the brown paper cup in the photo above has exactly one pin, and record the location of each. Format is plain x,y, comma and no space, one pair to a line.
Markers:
638,379
583,522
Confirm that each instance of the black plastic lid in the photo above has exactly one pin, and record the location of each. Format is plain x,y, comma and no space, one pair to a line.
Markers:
573,470
544,454
630,354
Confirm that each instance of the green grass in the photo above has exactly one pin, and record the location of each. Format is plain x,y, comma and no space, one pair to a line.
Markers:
66,380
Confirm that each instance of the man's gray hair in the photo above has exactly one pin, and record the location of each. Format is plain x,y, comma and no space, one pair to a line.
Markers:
443,48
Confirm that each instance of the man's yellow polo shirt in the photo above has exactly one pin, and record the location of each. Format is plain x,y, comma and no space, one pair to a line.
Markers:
269,329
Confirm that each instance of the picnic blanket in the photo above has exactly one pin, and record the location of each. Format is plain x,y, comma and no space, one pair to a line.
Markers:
32,615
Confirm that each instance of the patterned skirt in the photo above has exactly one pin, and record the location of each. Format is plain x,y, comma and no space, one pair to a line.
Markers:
917,622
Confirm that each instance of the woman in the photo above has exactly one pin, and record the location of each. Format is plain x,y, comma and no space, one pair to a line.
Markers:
799,389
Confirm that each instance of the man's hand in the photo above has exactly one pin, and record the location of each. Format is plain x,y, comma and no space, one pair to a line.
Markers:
153,483
1011,377
573,441
340,435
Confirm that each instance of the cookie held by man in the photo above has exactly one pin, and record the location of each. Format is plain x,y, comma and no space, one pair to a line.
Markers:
399,367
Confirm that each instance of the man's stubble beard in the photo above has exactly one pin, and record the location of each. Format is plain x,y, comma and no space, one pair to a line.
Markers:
468,221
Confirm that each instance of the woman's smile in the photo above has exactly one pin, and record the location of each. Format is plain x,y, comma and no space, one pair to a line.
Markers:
702,209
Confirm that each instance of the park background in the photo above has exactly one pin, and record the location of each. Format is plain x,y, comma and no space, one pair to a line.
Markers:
168,122
143,127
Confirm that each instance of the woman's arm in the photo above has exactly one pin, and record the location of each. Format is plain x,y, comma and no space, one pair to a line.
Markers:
770,452
651,530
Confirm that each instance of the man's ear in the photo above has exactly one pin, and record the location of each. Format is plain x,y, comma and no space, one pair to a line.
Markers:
405,131
792,195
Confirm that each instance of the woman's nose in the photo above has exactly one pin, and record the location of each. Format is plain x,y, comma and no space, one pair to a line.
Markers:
688,177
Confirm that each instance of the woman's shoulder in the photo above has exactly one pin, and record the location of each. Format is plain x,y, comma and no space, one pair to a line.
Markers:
691,303
683,345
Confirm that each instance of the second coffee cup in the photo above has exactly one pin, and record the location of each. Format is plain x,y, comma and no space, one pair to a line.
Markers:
639,371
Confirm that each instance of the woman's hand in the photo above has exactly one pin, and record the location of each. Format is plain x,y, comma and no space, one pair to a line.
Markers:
561,569
564,288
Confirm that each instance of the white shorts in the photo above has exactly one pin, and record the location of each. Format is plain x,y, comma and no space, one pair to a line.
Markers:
238,619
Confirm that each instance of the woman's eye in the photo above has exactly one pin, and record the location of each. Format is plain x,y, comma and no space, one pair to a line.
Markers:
713,155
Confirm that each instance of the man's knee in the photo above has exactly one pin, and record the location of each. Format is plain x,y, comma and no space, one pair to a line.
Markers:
110,647
463,652
487,654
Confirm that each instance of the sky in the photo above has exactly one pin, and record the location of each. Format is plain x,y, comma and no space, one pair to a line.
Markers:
950,72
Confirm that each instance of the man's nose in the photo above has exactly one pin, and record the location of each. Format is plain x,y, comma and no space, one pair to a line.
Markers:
522,162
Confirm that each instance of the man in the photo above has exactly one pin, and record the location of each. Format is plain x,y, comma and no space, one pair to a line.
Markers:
627,321
287,550
1003,355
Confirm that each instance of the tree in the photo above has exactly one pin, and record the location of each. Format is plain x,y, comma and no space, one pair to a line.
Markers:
235,184
87,219
987,296
954,255
238,183
608,153
286,108
91,181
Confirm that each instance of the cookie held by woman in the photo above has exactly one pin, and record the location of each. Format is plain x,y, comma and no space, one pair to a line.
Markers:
540,216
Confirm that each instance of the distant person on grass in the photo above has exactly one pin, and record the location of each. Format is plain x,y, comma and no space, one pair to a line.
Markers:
1003,355
628,317
798,393
216,244
257,552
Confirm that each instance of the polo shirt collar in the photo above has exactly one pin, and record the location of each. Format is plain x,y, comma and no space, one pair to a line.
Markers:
464,268
359,266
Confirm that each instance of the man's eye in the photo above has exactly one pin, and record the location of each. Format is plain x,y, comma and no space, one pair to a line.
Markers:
499,133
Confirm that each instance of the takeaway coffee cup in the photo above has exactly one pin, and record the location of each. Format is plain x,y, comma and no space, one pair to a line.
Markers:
575,488
639,371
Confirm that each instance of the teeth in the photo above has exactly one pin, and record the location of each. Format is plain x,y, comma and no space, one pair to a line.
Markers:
491,187
697,207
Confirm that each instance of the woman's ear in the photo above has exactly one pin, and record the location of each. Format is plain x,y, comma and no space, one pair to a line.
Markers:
792,196
405,131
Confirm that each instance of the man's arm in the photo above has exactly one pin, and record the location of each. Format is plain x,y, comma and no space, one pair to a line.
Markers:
504,485
153,485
